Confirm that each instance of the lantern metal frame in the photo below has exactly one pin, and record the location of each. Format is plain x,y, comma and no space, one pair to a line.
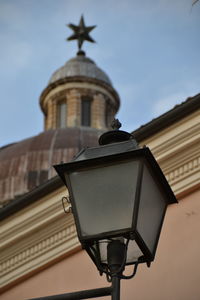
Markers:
122,147
145,157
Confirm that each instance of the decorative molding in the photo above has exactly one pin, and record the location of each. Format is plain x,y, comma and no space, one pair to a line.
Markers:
30,253
184,176
177,152
184,170
44,234
176,144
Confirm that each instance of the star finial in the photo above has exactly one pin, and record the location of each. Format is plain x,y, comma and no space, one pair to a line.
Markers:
81,33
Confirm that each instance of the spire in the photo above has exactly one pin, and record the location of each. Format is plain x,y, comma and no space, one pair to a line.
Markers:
86,97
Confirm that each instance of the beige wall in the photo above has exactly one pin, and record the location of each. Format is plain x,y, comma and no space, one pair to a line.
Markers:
175,274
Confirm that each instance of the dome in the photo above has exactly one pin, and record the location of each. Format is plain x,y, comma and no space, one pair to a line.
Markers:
80,66
29,163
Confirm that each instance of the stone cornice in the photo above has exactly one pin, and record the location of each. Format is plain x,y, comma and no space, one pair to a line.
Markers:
78,81
30,197
178,141
176,149
34,237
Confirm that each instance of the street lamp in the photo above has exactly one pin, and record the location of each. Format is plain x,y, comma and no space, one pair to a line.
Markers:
118,197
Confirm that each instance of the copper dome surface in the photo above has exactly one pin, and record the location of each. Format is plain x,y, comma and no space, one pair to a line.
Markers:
29,163
80,66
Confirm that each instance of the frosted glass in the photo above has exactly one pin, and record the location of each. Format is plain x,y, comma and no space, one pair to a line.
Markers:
133,252
105,197
151,209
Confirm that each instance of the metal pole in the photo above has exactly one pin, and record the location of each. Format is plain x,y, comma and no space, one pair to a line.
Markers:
115,288
116,259
116,254
100,292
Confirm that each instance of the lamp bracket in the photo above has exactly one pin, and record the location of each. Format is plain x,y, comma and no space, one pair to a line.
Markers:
116,261
116,256
133,274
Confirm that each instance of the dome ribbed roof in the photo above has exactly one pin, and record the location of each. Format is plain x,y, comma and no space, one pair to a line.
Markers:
29,163
80,66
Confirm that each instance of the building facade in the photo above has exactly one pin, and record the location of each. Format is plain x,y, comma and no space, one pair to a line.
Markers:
39,251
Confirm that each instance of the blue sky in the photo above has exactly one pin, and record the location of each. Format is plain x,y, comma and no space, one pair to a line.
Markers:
149,49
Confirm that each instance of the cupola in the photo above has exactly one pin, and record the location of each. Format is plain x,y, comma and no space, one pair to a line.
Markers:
79,94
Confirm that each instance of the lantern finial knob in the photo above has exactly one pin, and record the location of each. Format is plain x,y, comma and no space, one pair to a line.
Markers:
115,135
116,124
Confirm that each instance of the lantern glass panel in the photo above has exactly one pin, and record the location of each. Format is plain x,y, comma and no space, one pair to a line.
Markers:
103,244
151,210
133,252
104,197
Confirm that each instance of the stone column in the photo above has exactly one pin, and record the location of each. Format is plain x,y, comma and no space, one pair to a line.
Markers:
49,115
98,111
73,108
54,114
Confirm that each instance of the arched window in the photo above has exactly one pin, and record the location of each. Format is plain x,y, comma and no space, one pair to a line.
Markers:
61,114
86,111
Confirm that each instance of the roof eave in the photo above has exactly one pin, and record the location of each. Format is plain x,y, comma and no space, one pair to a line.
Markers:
30,197
172,116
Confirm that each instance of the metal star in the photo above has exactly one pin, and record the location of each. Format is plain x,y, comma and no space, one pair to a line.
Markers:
81,32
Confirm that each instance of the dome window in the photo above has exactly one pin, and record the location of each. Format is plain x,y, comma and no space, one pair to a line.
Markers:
61,114
86,111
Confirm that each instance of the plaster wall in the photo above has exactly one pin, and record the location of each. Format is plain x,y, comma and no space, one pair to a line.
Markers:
174,275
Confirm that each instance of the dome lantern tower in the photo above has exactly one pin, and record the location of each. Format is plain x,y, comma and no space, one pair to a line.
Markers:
79,93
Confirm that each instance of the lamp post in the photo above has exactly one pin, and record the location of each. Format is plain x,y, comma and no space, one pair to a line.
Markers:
119,197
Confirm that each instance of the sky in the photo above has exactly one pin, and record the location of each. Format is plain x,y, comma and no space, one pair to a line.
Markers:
149,49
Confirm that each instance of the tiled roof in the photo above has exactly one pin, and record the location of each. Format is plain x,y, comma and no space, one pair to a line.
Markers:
28,164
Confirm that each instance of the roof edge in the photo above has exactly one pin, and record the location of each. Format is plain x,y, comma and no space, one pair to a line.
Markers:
170,117
30,197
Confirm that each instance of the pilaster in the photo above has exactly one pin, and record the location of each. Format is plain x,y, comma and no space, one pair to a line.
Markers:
98,111
73,108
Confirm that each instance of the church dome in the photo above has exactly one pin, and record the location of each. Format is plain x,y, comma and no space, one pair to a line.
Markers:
79,104
29,163
80,66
